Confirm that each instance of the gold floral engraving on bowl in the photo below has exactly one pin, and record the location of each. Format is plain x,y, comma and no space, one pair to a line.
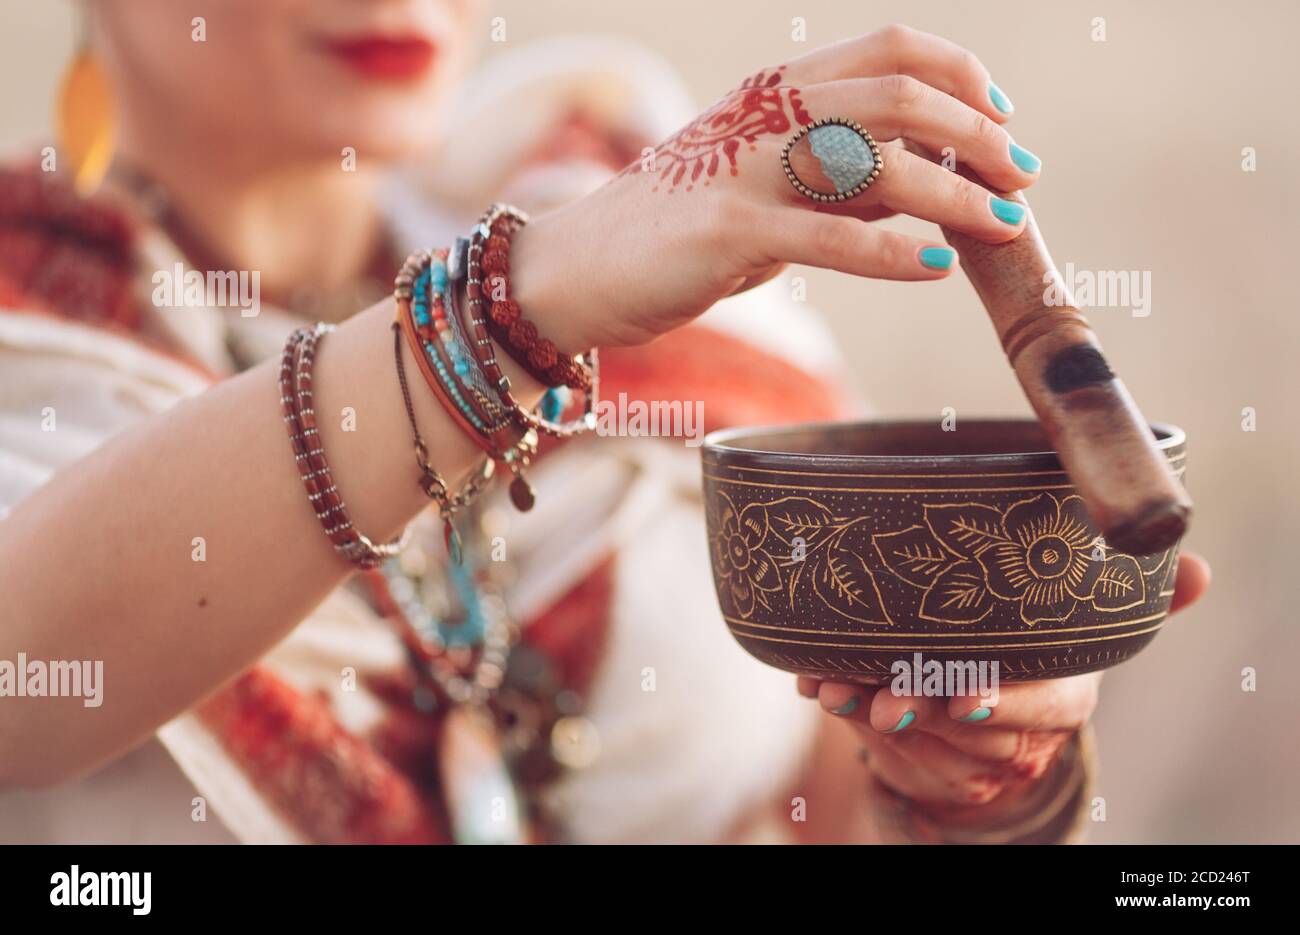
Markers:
818,549
1040,555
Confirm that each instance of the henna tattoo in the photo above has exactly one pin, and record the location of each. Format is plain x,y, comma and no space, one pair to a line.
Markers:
760,106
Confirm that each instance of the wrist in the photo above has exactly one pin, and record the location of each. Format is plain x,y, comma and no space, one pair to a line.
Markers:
545,294
1017,801
1052,809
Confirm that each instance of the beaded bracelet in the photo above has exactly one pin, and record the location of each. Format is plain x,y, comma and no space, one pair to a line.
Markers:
296,403
474,381
494,438
507,441
481,345
505,321
457,371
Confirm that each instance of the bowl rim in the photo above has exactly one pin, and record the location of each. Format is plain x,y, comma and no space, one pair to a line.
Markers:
726,446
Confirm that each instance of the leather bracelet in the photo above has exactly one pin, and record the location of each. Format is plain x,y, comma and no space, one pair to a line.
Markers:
496,439
431,482
511,442
442,335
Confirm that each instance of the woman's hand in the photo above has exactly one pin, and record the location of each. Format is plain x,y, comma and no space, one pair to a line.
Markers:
711,212
948,753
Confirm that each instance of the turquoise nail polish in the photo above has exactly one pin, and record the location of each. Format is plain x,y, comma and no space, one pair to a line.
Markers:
907,718
847,708
937,257
1025,159
1008,212
1000,99
979,714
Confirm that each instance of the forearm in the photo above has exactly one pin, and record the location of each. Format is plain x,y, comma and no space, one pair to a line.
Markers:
101,563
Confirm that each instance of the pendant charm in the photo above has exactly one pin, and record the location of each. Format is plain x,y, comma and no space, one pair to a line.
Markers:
451,539
521,494
457,260
554,402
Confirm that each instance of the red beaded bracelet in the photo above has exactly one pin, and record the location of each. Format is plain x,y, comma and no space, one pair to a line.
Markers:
505,320
482,345
296,403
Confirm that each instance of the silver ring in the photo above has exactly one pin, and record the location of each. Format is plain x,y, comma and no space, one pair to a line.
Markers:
849,158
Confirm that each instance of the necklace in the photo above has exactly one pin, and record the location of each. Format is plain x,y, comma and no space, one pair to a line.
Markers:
465,659
458,636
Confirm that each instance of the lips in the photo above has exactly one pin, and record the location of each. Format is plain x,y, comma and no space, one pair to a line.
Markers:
385,58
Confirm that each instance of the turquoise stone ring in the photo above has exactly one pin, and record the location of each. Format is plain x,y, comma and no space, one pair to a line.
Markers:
836,159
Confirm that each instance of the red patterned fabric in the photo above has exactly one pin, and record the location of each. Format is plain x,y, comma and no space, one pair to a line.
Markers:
325,781
62,253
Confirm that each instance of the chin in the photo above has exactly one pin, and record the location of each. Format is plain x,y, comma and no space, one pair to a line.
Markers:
323,107
385,130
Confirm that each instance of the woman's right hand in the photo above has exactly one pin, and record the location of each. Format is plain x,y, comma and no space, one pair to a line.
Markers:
711,211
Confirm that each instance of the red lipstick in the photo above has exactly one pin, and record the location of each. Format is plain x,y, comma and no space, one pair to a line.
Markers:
386,58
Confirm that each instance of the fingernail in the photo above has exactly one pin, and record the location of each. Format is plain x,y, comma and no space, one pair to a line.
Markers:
1000,99
1008,212
1025,159
979,714
937,257
847,708
907,718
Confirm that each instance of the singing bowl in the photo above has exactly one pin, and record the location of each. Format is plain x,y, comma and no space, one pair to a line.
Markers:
839,549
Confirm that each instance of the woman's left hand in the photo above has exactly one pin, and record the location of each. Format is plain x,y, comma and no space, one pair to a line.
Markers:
946,752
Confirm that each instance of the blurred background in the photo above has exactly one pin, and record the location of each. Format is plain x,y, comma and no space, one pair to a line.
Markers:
1143,136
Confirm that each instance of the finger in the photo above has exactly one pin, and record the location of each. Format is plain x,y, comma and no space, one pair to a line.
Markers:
1037,752
940,772
913,185
1192,579
898,773
893,714
900,106
851,702
807,686
876,711
1055,705
848,245
901,50
1006,754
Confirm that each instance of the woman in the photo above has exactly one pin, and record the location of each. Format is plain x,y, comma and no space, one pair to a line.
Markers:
157,522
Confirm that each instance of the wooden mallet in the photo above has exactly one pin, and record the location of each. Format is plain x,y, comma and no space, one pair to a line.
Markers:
1105,445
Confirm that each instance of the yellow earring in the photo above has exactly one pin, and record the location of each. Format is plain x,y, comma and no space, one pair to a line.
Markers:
87,121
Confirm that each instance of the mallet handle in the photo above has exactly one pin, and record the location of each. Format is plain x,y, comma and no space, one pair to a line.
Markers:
1105,445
